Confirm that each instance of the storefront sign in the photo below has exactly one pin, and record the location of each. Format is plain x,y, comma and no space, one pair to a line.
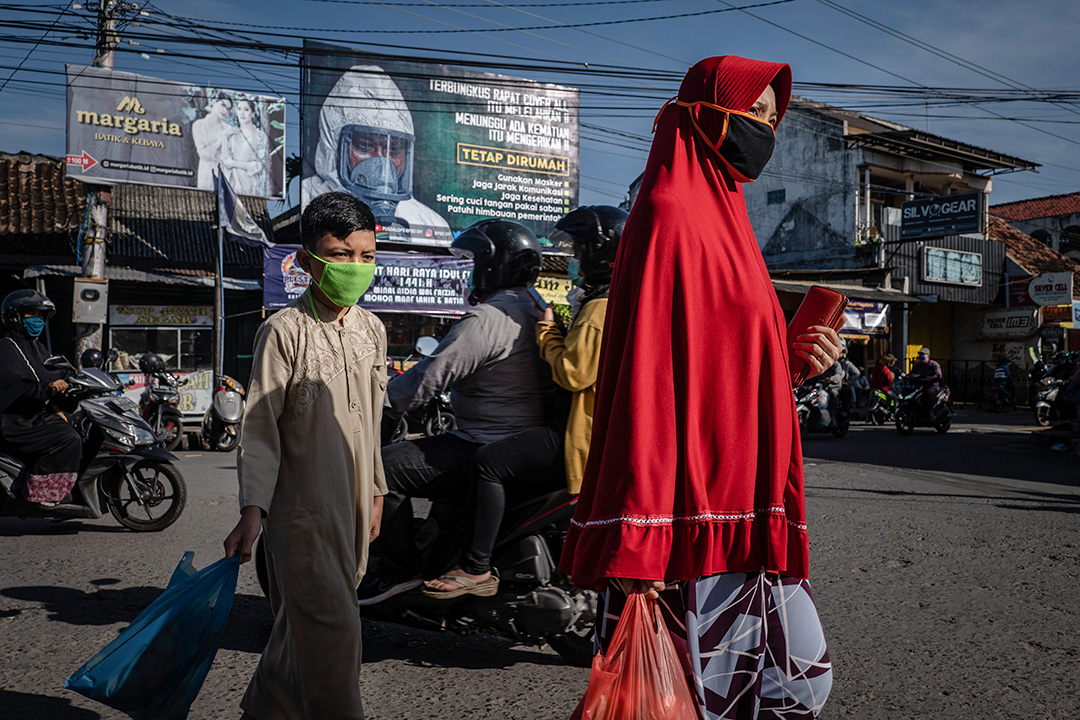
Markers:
126,128
1052,288
149,315
1007,324
553,288
1017,287
404,282
952,266
1057,314
865,319
195,394
941,216
433,148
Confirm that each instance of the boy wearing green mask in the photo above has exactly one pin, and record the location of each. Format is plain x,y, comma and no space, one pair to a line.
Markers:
310,470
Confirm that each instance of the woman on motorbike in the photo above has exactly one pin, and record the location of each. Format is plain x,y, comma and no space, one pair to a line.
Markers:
29,427
592,233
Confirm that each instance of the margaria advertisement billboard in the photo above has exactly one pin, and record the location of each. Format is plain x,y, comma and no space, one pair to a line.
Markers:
433,149
127,128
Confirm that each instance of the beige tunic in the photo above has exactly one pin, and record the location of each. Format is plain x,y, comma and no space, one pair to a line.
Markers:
310,459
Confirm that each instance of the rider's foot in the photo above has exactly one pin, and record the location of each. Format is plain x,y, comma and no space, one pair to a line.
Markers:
374,589
447,584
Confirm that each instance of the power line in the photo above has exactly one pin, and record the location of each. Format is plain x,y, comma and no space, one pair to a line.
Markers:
33,48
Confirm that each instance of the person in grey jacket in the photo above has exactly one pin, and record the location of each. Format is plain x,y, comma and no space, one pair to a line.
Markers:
504,400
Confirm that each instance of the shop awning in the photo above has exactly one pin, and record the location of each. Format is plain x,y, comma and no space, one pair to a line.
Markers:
142,276
854,292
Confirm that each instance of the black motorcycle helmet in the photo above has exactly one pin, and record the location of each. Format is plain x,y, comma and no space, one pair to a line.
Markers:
151,363
92,358
505,254
592,233
23,302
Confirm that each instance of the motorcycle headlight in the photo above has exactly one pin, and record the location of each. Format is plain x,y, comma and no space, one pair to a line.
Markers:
124,438
142,436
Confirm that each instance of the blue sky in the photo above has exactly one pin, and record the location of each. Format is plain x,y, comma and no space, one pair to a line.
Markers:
1033,44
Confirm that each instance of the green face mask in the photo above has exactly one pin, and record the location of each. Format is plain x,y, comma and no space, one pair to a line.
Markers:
343,283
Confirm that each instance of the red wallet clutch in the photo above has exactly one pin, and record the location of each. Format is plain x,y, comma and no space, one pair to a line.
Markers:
821,306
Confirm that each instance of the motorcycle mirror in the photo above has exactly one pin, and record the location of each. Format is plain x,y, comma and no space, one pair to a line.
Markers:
58,362
426,345
112,354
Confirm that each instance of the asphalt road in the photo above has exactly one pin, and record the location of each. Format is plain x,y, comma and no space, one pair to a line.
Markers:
946,570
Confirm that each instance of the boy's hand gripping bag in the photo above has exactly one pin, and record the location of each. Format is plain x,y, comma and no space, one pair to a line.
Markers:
640,677
155,668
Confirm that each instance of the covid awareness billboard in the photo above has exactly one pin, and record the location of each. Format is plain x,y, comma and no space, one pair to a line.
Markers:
433,149
126,128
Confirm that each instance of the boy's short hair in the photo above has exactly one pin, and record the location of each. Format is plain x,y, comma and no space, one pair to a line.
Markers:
337,213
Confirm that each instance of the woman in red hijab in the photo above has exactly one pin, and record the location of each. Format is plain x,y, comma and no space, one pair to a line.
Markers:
694,480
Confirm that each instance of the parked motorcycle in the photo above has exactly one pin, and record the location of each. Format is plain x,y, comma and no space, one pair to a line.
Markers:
121,470
434,417
222,421
910,415
535,603
812,408
158,406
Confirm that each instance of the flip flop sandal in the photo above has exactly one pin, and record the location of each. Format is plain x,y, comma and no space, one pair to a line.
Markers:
486,588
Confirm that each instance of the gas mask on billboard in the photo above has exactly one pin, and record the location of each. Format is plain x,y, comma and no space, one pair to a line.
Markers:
376,165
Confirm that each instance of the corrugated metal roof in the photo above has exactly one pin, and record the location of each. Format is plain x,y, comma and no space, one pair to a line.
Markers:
1043,207
156,227
854,292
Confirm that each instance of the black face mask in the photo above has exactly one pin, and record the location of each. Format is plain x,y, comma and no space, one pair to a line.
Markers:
746,142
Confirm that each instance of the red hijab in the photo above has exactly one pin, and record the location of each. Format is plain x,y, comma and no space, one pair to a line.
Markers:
695,466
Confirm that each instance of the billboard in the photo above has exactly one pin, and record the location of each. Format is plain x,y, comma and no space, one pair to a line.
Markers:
404,282
127,128
942,215
433,149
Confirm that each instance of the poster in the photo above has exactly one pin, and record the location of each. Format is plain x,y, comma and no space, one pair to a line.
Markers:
866,319
127,128
433,149
1007,324
404,282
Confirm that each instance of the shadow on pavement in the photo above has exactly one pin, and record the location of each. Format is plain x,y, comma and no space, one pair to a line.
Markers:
15,527
1050,502
429,648
24,705
247,631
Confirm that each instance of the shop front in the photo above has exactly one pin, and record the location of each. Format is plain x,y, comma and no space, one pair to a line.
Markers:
181,335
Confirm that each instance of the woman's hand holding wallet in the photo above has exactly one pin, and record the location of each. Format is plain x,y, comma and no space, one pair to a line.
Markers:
813,343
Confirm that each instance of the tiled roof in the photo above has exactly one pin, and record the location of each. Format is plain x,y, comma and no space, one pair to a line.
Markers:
1044,207
150,228
1033,256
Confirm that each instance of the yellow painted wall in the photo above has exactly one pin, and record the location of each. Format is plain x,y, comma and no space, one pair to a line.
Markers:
931,325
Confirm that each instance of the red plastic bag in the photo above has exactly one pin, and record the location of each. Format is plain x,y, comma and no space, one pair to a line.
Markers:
640,677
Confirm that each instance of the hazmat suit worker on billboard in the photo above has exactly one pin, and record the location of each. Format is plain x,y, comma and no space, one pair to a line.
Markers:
366,148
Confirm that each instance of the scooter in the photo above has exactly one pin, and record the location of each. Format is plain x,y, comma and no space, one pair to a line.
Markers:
910,415
122,469
812,408
221,423
535,603
158,405
1049,404
999,398
882,408
434,417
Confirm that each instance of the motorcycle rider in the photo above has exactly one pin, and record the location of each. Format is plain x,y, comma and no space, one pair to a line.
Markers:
882,376
592,234
28,426
367,148
1003,379
504,400
928,373
832,381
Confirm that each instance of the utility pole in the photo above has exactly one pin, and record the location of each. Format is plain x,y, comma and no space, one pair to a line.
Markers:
98,197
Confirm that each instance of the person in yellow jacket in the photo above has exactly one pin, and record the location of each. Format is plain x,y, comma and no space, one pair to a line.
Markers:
592,232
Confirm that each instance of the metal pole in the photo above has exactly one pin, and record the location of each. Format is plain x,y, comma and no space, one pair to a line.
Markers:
219,307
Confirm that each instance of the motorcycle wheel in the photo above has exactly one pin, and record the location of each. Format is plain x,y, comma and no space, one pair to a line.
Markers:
576,645
842,424
400,431
877,416
944,423
905,421
152,489
438,423
997,405
227,439
172,432
1042,416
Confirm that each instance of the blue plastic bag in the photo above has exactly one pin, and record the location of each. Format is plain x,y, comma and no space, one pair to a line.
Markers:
155,668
